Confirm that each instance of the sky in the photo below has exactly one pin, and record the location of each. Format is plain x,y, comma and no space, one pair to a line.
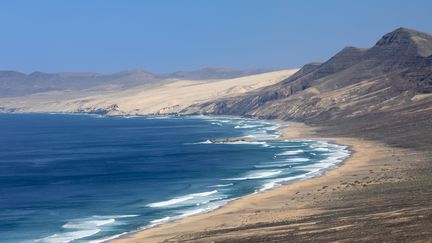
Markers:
166,35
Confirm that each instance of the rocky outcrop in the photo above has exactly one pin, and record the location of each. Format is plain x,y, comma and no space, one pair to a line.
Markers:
107,110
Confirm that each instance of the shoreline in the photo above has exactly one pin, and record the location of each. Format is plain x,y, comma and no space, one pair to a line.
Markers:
373,195
290,131
280,126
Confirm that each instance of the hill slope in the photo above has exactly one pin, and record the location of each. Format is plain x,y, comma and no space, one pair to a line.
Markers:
386,87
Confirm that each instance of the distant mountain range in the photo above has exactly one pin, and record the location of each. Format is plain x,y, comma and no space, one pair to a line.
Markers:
18,84
388,86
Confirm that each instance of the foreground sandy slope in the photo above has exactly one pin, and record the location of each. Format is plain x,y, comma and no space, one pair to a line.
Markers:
169,97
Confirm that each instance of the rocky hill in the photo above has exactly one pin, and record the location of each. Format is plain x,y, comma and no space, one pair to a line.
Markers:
387,87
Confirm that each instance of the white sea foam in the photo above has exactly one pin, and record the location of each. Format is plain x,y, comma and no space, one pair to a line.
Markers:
256,175
178,200
322,149
159,221
170,202
210,200
264,135
275,164
258,130
292,152
193,212
321,146
337,154
317,144
189,212
82,228
247,142
297,160
69,236
278,182
222,185
87,224
235,142
274,127
289,146
283,163
266,145
245,126
207,208
123,216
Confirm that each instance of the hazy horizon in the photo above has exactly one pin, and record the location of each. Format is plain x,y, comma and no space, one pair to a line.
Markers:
167,36
265,69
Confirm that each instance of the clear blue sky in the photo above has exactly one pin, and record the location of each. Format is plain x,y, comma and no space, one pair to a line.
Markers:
164,36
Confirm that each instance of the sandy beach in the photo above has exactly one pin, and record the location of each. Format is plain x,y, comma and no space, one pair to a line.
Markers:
358,201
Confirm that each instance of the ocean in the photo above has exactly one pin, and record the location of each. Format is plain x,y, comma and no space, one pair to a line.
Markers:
89,178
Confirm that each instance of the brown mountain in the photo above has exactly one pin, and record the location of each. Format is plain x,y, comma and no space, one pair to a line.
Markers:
385,87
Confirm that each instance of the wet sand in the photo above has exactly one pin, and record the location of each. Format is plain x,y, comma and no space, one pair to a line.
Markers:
379,193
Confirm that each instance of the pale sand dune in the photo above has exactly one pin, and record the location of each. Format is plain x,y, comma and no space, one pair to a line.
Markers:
169,97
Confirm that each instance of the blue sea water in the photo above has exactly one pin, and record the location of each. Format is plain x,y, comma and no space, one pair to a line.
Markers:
83,178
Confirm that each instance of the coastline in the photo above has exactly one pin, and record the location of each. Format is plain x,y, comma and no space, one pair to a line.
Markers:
293,201
371,196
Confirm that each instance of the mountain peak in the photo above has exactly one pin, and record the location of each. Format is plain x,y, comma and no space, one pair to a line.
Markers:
408,41
403,30
351,50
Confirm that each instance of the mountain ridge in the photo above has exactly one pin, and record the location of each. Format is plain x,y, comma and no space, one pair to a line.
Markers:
354,87
13,83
